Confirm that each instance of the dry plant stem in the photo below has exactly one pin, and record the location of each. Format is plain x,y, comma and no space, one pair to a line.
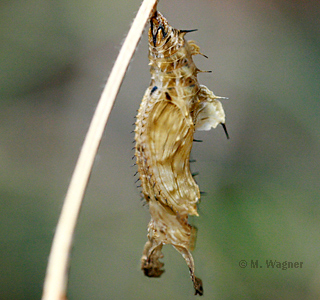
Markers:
55,283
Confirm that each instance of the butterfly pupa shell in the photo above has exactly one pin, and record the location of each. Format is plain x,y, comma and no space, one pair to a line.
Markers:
173,107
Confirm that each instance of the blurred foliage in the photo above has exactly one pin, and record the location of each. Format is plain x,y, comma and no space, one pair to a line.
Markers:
262,185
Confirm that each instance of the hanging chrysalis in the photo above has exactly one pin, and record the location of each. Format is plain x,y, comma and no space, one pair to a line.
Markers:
173,107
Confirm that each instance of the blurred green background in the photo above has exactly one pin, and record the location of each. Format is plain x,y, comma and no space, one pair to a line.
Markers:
262,185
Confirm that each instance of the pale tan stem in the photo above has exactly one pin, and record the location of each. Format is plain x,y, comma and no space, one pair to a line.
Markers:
55,283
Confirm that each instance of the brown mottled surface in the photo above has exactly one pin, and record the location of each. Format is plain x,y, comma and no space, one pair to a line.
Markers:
172,108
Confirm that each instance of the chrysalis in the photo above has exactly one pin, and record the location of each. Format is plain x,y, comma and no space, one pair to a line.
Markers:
173,107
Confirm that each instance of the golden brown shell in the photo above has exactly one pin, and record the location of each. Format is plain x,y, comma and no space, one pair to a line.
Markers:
172,108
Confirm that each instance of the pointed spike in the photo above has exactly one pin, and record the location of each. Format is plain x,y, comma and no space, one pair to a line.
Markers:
135,173
133,165
198,141
225,129
220,97
187,30
201,71
137,180
195,174
203,193
192,160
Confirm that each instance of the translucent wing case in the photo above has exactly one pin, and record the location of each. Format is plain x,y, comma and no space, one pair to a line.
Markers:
173,107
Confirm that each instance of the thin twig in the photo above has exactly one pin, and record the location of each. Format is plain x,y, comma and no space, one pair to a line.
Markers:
55,283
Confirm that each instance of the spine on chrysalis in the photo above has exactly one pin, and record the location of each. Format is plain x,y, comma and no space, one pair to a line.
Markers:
173,107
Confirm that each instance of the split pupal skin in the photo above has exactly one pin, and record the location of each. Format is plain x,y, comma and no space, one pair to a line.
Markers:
173,107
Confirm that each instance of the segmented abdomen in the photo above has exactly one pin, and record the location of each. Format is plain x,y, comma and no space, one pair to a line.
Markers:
172,108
